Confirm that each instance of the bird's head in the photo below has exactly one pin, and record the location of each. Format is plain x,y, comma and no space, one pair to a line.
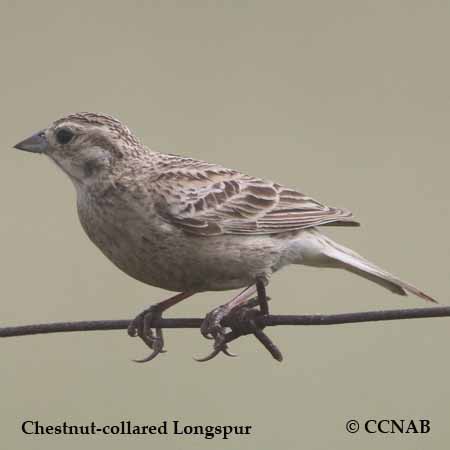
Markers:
84,145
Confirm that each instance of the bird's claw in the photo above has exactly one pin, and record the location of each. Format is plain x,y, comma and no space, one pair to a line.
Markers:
212,328
225,351
142,326
219,347
241,323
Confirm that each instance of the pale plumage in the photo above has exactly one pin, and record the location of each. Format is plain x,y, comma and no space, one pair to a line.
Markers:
188,225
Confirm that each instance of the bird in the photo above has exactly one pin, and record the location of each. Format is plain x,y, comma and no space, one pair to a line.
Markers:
190,226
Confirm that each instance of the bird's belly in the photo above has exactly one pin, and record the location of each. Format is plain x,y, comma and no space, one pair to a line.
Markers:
164,256
169,264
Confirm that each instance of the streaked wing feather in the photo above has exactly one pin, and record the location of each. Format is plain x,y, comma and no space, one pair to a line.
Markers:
207,200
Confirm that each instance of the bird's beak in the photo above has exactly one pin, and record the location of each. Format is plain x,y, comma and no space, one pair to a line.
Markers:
36,144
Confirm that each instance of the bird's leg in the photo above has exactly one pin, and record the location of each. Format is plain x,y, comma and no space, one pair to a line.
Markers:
262,296
141,325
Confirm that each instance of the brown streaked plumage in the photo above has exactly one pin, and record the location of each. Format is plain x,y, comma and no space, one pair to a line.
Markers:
211,200
190,226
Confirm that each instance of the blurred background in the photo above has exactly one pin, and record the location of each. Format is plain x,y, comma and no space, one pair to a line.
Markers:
347,101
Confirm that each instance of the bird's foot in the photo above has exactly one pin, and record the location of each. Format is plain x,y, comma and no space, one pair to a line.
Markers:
212,328
242,321
142,326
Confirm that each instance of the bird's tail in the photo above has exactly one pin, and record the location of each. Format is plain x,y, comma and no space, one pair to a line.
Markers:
343,257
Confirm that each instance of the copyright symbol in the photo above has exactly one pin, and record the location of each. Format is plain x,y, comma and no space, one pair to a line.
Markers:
352,426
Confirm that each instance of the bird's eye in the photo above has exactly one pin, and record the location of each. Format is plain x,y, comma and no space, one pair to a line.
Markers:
64,135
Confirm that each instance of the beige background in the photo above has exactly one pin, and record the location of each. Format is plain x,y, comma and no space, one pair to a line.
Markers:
349,101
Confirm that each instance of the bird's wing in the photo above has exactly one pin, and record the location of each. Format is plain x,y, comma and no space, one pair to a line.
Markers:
207,200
